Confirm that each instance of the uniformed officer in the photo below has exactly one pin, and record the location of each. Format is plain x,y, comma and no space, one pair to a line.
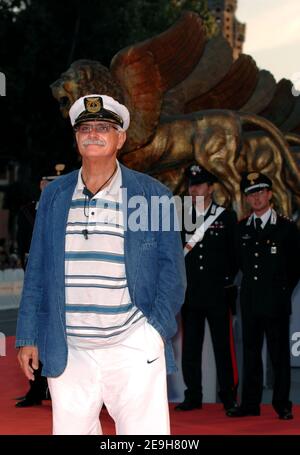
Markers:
211,268
268,254
38,389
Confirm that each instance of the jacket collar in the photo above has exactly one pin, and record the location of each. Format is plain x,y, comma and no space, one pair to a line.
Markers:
269,226
132,239
211,210
129,181
272,219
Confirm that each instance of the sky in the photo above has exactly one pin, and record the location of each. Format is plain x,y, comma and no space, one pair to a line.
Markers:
273,35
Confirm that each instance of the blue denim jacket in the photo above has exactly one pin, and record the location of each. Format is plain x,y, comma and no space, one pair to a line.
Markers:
154,268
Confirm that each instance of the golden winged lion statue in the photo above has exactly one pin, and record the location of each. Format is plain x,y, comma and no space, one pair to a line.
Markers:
188,101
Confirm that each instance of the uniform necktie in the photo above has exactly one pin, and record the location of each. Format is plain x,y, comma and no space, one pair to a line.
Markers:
258,223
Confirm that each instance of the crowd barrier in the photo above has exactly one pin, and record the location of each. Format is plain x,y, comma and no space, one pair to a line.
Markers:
11,283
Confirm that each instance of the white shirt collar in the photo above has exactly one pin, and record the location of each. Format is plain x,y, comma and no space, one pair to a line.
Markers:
112,188
264,218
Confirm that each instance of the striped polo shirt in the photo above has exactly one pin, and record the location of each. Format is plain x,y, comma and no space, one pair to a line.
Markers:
99,312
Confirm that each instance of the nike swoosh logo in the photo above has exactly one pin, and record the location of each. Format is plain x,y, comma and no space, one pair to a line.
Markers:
151,361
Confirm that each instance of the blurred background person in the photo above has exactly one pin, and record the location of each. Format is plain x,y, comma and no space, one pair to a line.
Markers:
269,251
38,389
211,268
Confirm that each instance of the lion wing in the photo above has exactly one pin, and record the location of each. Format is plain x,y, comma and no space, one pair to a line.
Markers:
147,70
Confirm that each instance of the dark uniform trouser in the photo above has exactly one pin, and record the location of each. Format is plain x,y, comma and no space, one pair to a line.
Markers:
277,335
193,336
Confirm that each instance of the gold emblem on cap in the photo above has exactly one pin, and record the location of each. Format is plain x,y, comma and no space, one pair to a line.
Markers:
194,169
93,104
252,177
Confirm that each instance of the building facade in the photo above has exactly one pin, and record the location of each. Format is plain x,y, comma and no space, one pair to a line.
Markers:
233,30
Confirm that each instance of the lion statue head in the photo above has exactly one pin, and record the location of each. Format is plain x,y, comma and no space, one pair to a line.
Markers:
84,77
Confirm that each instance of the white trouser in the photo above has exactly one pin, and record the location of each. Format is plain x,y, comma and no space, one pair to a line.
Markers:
129,378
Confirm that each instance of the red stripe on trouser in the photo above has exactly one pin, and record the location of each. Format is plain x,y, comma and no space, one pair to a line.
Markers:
232,352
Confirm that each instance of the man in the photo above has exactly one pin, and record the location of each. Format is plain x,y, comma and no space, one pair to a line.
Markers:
211,268
38,388
26,217
269,259
101,292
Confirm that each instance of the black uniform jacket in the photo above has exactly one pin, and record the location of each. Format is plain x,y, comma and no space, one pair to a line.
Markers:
270,265
211,264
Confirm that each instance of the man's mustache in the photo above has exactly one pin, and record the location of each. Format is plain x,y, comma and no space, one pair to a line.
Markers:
94,142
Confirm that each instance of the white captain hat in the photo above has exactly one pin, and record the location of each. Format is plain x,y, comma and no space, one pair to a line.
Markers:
99,107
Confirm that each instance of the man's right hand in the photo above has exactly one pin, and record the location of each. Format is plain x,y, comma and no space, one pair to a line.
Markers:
28,358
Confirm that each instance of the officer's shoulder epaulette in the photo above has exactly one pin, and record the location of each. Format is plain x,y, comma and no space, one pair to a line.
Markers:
284,217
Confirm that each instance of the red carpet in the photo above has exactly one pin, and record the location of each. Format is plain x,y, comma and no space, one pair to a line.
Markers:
211,420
